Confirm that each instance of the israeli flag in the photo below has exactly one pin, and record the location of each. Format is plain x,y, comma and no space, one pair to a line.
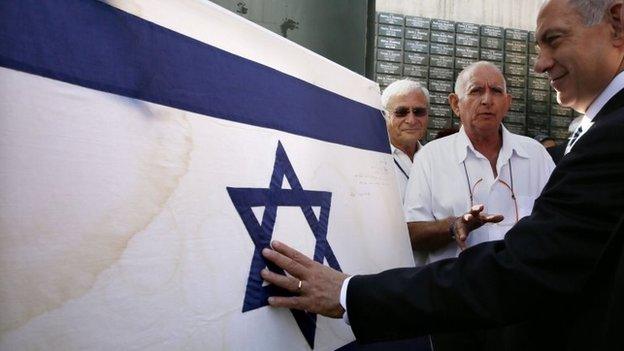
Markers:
150,149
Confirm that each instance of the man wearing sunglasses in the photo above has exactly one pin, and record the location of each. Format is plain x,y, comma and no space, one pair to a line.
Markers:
405,106
482,167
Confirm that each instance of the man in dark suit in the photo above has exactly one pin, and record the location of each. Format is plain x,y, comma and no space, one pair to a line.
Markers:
557,276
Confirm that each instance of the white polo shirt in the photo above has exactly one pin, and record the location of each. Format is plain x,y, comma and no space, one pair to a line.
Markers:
439,185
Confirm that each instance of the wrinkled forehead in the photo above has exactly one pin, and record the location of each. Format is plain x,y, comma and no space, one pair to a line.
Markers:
484,76
414,98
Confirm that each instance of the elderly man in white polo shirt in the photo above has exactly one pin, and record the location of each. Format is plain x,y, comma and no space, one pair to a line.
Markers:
405,104
482,169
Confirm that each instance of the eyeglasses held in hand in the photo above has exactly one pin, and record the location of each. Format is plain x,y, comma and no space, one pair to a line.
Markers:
404,111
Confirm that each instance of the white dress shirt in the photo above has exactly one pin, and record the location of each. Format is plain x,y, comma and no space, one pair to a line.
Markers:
440,186
613,88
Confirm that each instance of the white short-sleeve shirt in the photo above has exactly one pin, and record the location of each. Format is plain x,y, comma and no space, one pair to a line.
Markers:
439,184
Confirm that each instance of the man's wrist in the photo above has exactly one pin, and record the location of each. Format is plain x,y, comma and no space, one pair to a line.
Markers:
452,229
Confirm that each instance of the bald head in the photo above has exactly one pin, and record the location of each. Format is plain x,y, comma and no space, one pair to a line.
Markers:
466,73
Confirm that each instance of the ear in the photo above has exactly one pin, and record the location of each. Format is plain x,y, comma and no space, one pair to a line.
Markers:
615,16
454,102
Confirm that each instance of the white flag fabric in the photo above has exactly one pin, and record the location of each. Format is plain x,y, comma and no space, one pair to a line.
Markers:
150,149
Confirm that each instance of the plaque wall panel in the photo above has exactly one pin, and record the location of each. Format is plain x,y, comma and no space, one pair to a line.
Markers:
416,33
440,111
436,97
441,73
516,58
389,43
516,34
417,22
491,55
461,63
441,85
516,46
467,52
492,43
538,95
441,49
538,83
416,71
466,40
517,93
515,117
439,24
416,58
388,30
390,18
491,31
389,55
388,67
439,122
515,128
417,46
386,79
441,61
467,28
514,69
442,37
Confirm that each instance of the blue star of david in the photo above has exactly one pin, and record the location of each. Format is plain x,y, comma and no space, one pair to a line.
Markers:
271,198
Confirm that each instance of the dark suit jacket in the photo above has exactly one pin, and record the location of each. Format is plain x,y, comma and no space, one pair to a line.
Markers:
555,277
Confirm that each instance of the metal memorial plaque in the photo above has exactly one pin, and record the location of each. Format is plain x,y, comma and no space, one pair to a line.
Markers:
538,83
417,33
467,52
389,55
390,18
388,67
516,70
415,71
441,49
440,111
559,110
431,133
516,34
467,40
515,117
441,85
492,43
560,121
439,24
538,107
532,48
386,79
513,57
417,46
441,73
537,120
441,61
538,95
467,28
388,30
559,133
518,106
491,55
416,58
442,37
389,43
436,97
491,31
517,94
438,122
516,81
532,73
461,63
517,46
515,128
417,22
532,60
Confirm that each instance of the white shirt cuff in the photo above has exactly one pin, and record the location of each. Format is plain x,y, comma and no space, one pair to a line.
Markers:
343,299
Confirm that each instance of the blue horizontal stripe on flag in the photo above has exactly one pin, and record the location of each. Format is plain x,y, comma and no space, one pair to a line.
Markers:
94,45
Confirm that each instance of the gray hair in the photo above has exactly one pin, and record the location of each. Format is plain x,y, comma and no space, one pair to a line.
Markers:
400,88
591,11
460,82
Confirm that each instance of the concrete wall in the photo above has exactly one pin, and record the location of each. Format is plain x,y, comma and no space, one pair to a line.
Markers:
520,14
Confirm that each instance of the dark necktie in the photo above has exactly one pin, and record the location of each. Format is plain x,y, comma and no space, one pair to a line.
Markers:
574,138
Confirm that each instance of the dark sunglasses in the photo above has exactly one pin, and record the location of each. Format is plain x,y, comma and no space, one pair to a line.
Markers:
404,111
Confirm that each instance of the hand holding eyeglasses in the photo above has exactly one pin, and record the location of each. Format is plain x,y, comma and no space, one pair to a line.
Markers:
463,225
